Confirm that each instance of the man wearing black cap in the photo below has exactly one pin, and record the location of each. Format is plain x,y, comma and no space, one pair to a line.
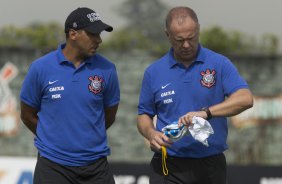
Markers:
68,99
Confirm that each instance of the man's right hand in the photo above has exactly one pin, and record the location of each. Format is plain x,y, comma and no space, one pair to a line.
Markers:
157,140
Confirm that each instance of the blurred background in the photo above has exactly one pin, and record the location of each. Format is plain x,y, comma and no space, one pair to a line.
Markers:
248,32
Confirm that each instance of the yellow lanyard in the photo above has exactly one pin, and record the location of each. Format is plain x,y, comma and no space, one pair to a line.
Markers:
164,157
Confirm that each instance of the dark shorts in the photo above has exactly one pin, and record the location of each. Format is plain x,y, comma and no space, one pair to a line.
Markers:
48,172
208,170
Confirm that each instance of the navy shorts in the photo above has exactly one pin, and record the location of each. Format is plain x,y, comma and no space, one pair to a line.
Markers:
49,172
208,170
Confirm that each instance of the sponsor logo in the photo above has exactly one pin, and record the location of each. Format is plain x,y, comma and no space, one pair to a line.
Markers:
167,93
52,82
58,88
131,179
74,25
55,96
165,85
93,17
167,101
270,180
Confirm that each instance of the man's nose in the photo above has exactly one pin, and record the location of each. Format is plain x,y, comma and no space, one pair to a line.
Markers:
98,39
186,44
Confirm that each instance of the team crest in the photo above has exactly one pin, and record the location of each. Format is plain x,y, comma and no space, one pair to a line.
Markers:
96,85
208,78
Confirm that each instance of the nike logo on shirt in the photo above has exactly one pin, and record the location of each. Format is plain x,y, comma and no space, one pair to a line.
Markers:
52,82
165,85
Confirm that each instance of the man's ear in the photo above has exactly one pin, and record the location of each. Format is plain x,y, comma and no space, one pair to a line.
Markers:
72,34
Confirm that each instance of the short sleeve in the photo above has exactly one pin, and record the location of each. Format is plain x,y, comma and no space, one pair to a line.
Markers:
112,93
30,92
232,80
146,99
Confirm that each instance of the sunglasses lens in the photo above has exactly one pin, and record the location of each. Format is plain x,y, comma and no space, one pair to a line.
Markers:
171,133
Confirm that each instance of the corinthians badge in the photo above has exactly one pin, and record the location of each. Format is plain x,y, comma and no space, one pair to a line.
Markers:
96,84
208,78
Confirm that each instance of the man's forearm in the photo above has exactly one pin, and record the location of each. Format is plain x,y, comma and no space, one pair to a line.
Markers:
235,104
110,115
145,125
29,117
31,125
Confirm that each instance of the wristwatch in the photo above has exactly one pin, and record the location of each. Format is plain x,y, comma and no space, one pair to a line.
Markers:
207,110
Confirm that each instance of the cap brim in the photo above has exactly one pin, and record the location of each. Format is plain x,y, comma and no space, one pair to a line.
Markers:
98,27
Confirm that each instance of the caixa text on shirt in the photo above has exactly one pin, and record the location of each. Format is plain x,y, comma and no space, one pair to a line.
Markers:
55,89
166,94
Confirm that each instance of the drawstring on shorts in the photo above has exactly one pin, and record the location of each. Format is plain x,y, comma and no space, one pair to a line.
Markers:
164,157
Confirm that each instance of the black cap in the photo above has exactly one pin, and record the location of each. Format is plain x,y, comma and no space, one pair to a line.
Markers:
86,19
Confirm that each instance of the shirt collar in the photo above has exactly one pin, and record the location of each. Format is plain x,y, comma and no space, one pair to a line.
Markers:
62,58
199,58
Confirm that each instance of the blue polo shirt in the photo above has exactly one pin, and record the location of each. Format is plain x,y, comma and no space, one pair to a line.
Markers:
71,101
169,90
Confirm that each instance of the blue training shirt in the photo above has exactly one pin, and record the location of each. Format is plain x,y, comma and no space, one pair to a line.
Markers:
169,90
71,101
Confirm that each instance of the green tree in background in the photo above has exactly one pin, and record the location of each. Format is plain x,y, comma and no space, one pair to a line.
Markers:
146,16
269,44
37,35
235,42
144,31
